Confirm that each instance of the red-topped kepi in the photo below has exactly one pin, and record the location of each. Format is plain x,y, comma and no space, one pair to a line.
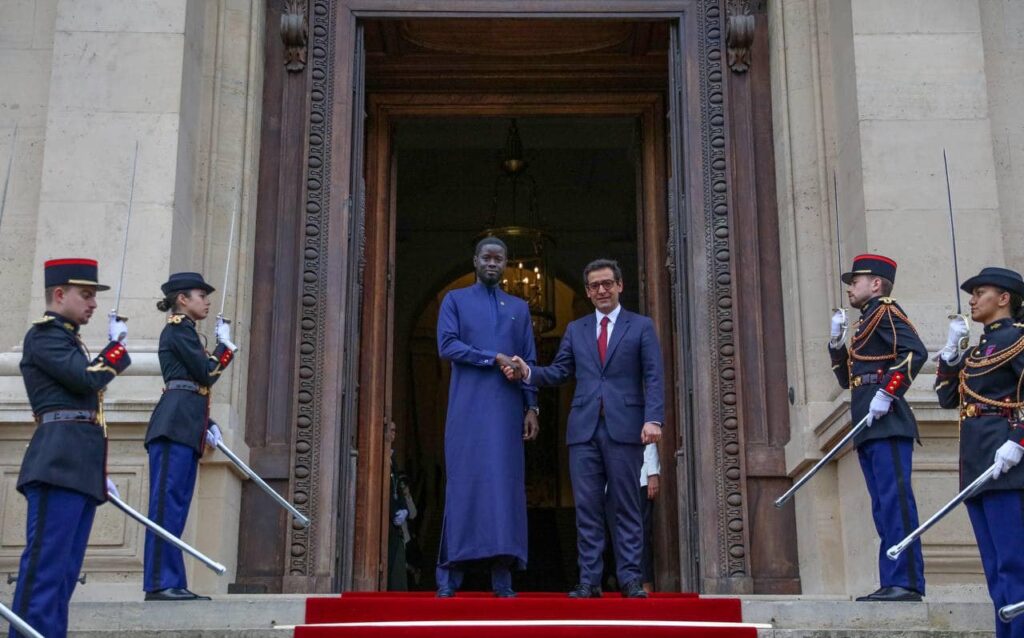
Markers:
72,271
868,264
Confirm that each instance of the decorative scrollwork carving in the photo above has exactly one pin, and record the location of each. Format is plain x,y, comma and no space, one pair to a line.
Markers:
739,35
733,554
294,34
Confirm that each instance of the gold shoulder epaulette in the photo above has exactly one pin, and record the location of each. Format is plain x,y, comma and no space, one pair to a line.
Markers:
44,320
1018,325
887,300
175,319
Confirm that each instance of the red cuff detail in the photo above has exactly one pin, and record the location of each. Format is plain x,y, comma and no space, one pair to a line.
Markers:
895,383
225,357
1017,432
114,354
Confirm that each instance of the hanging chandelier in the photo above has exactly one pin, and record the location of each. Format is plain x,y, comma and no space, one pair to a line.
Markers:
528,271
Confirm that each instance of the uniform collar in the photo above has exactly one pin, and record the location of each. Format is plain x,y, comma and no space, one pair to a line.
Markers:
180,317
873,303
63,321
490,290
1005,322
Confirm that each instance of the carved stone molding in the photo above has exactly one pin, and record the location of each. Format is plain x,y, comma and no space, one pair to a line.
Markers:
721,359
312,324
739,35
294,34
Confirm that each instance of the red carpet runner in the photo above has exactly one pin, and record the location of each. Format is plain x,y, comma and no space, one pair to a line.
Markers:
533,615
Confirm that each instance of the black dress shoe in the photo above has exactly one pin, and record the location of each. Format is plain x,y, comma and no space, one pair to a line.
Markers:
174,593
504,592
446,592
634,589
584,590
892,595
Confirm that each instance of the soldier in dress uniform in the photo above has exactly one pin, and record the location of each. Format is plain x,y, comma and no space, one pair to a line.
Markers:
880,363
180,426
986,386
63,474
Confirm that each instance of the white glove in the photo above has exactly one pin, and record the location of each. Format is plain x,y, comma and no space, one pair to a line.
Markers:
958,329
117,330
1007,457
838,326
112,488
400,517
213,436
879,406
223,332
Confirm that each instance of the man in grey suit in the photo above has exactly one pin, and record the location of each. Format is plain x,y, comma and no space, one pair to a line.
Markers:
618,408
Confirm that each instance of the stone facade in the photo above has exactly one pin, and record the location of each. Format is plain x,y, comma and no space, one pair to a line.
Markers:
870,90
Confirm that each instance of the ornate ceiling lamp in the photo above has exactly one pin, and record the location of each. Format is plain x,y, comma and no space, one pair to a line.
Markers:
528,274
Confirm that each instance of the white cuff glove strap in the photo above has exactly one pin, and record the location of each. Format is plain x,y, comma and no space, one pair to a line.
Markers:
112,488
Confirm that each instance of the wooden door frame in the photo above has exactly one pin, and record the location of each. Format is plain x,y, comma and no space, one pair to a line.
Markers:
383,109
328,219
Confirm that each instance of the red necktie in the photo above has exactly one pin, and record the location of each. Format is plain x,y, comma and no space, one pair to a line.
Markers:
602,339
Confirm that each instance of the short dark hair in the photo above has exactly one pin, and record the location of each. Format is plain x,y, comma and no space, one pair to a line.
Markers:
489,241
601,264
48,292
886,288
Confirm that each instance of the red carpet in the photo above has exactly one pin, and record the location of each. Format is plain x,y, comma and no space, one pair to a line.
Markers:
533,615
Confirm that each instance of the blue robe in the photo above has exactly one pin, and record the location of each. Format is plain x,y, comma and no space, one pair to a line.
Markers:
485,495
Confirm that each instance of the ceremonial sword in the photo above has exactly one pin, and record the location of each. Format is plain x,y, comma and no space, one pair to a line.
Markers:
965,341
227,264
296,514
1009,612
839,253
124,246
165,535
854,431
19,625
894,552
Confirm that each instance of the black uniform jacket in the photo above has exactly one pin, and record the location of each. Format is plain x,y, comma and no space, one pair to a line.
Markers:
884,353
986,386
58,375
183,416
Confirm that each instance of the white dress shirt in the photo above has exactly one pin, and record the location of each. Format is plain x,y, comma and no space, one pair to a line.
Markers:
613,316
652,466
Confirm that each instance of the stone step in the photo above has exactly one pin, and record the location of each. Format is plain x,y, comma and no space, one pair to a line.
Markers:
253,616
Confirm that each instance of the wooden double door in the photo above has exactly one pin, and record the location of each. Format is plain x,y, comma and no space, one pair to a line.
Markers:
706,266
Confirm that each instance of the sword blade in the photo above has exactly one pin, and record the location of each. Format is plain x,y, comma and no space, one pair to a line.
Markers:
240,464
952,232
854,431
20,625
165,535
127,225
894,552
1009,612
227,262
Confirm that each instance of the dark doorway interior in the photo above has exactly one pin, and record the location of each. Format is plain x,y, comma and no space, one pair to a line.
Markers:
586,179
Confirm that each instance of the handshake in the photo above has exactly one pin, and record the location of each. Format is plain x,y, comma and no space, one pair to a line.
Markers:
514,368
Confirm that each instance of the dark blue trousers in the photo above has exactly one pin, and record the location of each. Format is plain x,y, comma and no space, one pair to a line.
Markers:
998,521
501,574
598,464
172,479
886,464
57,532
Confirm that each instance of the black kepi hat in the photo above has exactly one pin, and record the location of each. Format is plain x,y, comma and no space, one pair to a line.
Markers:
876,265
1008,280
72,271
185,281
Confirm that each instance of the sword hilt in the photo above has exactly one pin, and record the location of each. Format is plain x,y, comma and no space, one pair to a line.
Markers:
965,341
